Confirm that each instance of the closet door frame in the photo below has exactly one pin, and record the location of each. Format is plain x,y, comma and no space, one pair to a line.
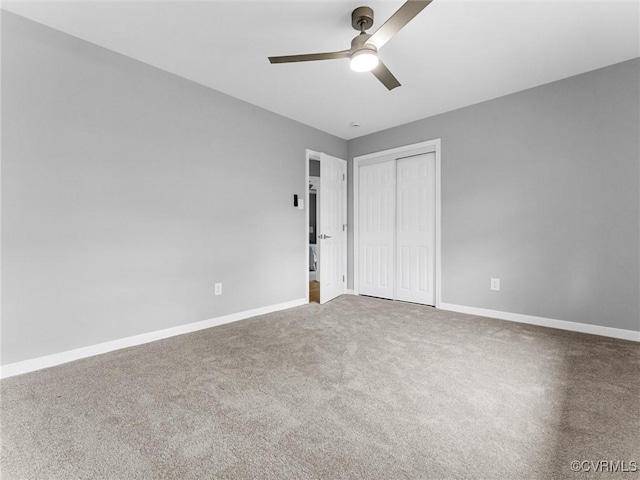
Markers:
430,146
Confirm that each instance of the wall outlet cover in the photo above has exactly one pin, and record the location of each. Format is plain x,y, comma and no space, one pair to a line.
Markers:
495,284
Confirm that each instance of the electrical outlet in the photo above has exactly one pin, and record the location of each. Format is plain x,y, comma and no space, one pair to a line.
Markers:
495,284
218,289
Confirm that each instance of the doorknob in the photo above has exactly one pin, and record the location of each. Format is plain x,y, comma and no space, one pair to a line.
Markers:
322,237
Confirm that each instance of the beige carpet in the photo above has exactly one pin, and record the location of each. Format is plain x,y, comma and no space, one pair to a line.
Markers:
359,388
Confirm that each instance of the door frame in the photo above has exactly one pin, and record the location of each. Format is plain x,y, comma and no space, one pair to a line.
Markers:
430,146
314,155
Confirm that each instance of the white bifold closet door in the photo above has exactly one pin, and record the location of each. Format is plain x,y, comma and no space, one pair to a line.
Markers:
377,219
415,229
397,229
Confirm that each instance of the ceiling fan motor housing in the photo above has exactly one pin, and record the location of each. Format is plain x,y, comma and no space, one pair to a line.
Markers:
362,18
359,43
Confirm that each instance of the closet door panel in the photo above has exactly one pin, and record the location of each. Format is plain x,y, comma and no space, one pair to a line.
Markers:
415,234
376,229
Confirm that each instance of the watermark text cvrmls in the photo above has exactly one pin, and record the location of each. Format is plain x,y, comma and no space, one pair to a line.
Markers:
604,466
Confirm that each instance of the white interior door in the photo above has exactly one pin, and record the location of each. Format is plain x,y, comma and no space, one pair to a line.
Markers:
332,234
415,229
376,229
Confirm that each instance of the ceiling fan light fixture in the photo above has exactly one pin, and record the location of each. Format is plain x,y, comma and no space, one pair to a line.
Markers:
364,60
363,54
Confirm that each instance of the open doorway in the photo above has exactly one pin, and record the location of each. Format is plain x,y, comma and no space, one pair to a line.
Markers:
326,226
314,189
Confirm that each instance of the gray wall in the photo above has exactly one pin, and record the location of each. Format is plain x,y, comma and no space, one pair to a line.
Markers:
127,192
541,189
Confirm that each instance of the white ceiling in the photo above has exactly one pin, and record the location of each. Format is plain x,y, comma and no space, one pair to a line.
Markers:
452,55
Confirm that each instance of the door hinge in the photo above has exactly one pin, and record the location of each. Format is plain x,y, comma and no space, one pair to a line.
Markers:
343,278
343,177
344,227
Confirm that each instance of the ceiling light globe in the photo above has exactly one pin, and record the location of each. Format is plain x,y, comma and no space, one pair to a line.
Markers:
364,60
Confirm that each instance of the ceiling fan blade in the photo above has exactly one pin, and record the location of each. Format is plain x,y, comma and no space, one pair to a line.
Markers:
398,20
382,73
310,57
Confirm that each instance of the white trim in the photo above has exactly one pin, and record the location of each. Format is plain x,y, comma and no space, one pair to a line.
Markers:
356,236
416,148
70,355
545,322
400,150
349,291
436,143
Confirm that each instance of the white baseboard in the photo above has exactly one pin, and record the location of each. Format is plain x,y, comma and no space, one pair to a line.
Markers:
349,291
546,322
39,363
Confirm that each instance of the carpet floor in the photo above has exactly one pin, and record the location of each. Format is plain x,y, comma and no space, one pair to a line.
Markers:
359,388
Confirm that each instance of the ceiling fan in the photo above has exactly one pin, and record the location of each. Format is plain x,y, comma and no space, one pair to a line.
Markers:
363,53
